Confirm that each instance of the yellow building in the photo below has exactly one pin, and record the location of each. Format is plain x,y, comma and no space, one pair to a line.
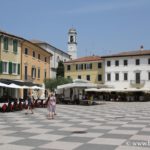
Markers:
22,63
35,63
89,68
10,60
10,56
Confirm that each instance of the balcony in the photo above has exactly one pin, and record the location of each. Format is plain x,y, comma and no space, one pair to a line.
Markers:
137,83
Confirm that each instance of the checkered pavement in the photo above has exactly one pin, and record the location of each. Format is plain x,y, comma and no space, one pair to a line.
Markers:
108,126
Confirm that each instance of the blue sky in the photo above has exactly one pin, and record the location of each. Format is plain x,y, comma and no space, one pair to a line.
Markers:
103,26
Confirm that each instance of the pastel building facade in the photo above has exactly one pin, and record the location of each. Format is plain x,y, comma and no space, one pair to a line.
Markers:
128,69
57,55
10,60
22,62
89,68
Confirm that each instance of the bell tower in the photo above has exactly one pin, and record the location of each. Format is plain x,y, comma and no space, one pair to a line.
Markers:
72,43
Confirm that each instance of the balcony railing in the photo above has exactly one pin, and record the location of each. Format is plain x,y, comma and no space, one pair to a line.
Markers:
137,83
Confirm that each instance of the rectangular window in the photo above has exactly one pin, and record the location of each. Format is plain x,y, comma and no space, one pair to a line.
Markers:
14,68
15,46
108,77
137,78
108,63
149,76
26,51
99,77
39,56
117,76
26,73
137,61
5,43
68,67
117,63
39,73
33,54
125,62
33,73
149,61
88,77
79,66
99,65
68,77
46,59
125,76
79,76
88,66
5,67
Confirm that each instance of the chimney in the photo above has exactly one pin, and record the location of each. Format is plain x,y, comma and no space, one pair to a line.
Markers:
142,48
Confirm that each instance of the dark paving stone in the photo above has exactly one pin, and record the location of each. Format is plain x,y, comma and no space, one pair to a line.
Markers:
129,128
22,134
99,130
116,136
57,132
45,149
15,128
30,142
50,127
76,139
96,147
144,133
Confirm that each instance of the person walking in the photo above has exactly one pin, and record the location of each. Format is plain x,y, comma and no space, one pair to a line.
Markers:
51,106
29,100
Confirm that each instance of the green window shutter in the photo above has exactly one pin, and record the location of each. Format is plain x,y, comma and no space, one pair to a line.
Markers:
35,72
15,43
1,66
5,43
10,67
18,68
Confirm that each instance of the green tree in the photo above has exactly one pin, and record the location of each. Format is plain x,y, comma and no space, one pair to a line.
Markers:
60,69
52,84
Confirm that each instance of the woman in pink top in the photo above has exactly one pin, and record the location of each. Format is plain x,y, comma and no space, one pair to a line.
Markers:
51,106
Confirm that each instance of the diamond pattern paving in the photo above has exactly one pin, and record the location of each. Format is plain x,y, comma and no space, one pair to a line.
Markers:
110,126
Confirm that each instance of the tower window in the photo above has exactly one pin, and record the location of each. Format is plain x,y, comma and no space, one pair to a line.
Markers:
71,38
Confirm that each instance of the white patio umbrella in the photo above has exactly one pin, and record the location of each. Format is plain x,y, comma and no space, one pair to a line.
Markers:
26,87
12,85
36,87
3,85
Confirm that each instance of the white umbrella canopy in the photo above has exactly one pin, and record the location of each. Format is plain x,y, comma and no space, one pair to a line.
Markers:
37,87
26,87
3,85
12,85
